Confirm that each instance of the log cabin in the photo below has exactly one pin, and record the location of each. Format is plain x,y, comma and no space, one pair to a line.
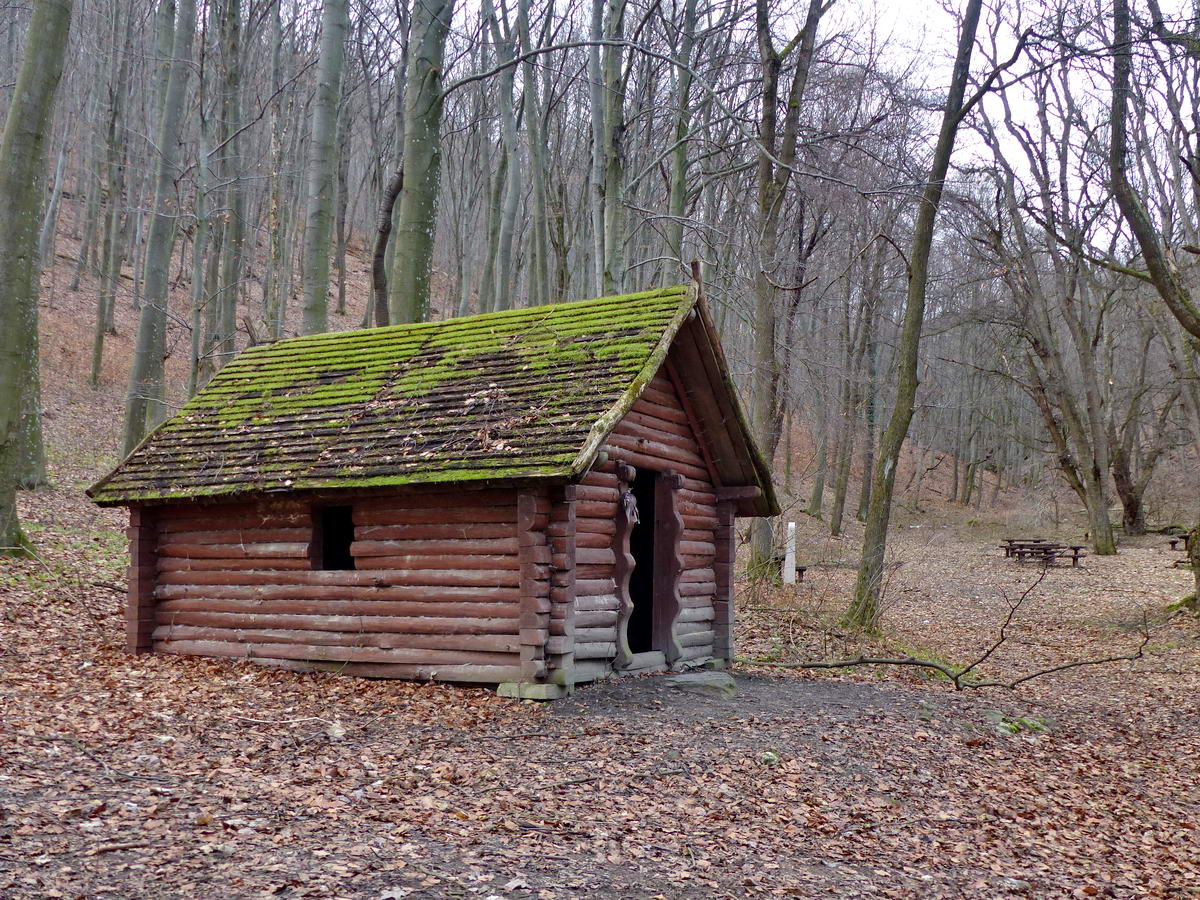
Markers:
531,498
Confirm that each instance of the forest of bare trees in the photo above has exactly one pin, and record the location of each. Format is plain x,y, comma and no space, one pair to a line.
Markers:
980,252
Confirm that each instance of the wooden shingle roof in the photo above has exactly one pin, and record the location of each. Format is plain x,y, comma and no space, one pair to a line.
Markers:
521,394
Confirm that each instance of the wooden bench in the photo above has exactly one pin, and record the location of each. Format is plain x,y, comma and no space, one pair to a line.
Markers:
1010,545
1046,553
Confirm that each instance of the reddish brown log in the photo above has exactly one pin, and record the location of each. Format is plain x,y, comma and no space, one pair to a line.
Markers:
595,556
180,564
595,509
489,643
245,536
592,587
596,478
352,608
471,547
435,672
652,448
334,654
592,525
653,463
643,427
697,575
697,589
439,562
593,541
459,532
597,602
291,550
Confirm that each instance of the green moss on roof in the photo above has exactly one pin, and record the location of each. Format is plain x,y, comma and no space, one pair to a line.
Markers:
515,394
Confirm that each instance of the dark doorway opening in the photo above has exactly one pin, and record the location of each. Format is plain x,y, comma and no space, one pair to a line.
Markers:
640,630
333,533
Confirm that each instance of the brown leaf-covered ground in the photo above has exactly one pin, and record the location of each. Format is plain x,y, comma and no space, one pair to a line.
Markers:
154,777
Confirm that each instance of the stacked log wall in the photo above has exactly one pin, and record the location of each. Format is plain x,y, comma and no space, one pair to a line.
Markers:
657,434
435,592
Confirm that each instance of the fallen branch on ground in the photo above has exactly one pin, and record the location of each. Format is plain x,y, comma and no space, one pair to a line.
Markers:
959,676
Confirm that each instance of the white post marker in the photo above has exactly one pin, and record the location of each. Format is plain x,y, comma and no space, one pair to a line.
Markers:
789,556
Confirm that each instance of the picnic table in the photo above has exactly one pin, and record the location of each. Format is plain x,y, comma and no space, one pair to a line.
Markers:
1042,550
1185,539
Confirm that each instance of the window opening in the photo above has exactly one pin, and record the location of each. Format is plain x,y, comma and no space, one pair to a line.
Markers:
333,533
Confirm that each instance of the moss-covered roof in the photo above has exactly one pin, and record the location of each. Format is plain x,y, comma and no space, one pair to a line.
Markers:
527,393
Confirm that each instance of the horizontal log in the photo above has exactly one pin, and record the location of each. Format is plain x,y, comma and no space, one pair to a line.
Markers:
659,451
593,541
697,588
470,674
659,418
698,614
463,531
346,623
488,643
656,464
415,562
605,494
700,575
661,394
184,564
698,562
594,509
428,547
242,536
693,654
379,578
595,651
214,518
591,525
698,534
594,556
588,587
645,428
600,634
593,572
707,523
416,656
466,516
606,603
696,639
596,618
348,593
277,550
596,478
704,498
355,609
697,548
436,577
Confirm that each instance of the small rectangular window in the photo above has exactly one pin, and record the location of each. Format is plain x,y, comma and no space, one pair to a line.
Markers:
333,532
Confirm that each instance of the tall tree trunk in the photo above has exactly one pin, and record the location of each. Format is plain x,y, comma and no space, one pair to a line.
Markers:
322,163
412,255
865,609
144,407
22,174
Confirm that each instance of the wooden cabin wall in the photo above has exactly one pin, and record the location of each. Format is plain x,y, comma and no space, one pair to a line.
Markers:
656,434
435,592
